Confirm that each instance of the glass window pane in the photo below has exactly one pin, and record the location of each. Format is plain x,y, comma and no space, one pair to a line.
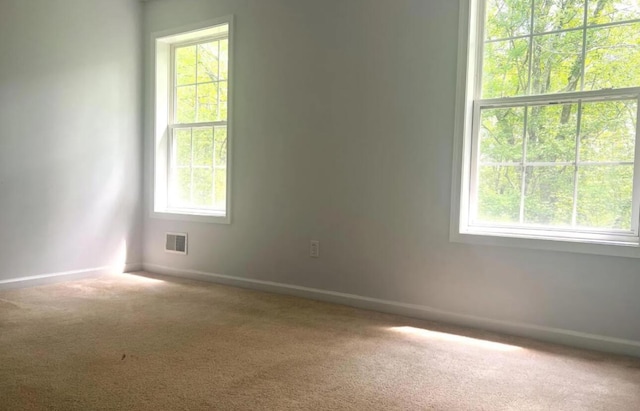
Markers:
499,194
507,18
223,90
203,187
608,131
609,11
185,65
557,63
613,57
221,188
181,187
186,104
501,132
552,15
208,62
224,59
505,68
221,146
605,196
203,147
208,102
552,132
549,195
182,147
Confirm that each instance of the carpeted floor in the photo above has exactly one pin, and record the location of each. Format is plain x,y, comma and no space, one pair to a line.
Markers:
126,342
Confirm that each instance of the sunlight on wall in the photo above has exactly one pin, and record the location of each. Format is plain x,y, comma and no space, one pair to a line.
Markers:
119,261
435,335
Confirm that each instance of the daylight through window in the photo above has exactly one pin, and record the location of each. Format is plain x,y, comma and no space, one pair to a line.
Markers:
198,156
553,136
192,138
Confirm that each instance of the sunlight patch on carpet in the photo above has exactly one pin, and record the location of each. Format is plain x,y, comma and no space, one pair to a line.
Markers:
138,279
436,335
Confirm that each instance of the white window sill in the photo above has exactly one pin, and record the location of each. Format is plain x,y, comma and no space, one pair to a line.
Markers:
197,216
628,248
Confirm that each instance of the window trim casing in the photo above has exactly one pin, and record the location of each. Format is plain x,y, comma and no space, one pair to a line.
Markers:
161,44
468,83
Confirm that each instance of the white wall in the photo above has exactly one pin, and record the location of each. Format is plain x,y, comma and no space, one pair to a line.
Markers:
70,149
344,116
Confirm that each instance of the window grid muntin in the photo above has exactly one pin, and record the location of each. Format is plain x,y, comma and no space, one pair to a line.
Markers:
523,171
174,125
560,31
628,94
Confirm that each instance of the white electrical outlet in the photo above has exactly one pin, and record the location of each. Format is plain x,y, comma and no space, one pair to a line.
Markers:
314,248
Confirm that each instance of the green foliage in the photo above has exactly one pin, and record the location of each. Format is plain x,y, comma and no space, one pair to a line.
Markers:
505,68
573,164
499,194
608,131
501,135
199,158
604,196
613,54
549,195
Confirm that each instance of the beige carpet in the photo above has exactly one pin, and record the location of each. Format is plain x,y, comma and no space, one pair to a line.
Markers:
130,343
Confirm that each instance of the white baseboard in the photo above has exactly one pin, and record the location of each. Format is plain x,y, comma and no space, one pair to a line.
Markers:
51,278
547,334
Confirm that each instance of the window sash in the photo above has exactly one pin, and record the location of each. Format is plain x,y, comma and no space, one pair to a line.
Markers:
551,233
173,86
574,231
629,93
480,41
172,166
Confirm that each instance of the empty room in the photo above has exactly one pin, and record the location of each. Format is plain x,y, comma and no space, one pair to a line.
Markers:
319,205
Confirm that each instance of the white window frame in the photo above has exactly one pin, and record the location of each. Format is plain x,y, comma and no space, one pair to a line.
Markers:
468,106
163,45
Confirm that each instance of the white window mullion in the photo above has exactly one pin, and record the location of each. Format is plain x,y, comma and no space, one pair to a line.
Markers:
213,162
197,113
475,166
218,99
173,98
196,83
218,83
530,68
568,30
584,44
191,171
523,171
635,216
563,98
196,125
170,166
479,52
574,212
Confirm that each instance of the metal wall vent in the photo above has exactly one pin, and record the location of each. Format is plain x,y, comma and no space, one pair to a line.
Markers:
176,243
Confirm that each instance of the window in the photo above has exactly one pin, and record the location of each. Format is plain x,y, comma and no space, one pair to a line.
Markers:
192,130
549,113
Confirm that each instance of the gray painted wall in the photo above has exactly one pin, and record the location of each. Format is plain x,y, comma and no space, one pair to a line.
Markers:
344,115
70,149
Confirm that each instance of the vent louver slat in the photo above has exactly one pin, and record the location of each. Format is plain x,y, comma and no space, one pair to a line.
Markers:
176,243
